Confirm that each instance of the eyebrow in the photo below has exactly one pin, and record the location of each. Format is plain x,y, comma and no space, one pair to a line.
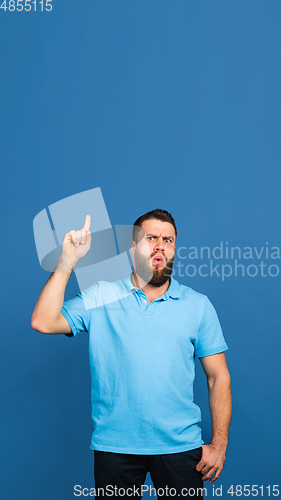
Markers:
155,236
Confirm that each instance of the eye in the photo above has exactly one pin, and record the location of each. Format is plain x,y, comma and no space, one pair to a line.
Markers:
150,238
168,240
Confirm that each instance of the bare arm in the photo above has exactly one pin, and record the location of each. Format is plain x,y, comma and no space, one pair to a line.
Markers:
218,380
47,316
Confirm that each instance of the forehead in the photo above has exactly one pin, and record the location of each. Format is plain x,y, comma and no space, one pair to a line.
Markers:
158,227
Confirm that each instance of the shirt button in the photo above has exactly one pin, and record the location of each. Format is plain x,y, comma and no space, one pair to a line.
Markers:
145,301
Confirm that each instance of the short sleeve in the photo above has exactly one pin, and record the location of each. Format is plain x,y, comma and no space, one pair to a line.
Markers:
77,311
210,339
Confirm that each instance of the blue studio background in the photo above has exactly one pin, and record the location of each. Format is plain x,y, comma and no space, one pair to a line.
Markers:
160,104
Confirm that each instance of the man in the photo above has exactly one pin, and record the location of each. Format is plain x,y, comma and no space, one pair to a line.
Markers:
145,331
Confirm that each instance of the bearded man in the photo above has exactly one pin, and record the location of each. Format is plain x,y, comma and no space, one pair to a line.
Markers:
145,332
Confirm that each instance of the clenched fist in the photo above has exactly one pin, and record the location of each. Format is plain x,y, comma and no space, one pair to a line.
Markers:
76,244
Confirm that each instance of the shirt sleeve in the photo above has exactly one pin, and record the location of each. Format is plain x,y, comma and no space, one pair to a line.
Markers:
210,339
77,311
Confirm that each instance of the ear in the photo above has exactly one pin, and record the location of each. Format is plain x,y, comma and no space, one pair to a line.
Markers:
133,247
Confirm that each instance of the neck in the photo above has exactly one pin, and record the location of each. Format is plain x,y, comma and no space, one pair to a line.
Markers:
152,292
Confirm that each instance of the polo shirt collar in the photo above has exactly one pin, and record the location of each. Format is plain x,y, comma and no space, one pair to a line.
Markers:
173,290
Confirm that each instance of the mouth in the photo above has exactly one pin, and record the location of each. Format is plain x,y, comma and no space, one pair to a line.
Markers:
158,260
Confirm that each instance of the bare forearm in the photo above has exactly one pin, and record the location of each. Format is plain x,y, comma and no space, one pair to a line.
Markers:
47,316
48,307
220,403
213,454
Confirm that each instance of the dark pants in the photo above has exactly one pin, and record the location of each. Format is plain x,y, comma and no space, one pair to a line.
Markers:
122,475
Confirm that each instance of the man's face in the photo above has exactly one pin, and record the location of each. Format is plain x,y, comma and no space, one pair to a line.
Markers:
154,252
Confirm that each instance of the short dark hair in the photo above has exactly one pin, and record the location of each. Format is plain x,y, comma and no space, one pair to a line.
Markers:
158,214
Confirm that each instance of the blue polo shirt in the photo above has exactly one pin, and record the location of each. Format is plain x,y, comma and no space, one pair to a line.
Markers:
142,360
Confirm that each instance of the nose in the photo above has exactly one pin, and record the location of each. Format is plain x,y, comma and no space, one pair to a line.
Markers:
159,244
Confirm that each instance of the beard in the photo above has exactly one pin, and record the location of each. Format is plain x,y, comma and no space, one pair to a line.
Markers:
155,277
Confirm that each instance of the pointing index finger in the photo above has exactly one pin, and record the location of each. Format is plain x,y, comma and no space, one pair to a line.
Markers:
87,223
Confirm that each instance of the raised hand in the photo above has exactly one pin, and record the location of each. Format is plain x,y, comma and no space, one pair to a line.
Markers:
76,244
